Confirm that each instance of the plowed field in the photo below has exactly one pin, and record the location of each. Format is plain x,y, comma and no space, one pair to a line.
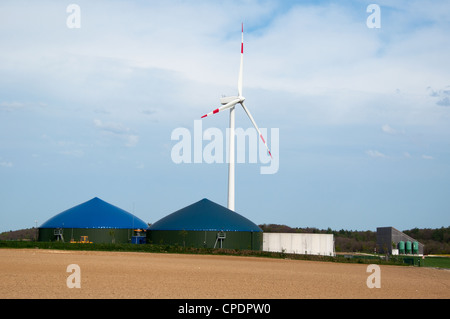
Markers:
38,273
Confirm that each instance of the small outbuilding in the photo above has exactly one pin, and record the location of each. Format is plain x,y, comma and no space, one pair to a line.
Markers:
206,224
392,241
100,221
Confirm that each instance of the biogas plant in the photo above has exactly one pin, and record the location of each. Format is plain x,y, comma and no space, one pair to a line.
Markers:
203,224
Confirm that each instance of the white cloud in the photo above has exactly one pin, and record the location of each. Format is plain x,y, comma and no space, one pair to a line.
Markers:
132,140
427,157
387,129
119,131
375,154
6,164
140,166
442,95
11,106
111,127
74,153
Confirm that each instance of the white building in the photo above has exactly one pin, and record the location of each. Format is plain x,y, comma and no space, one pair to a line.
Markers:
299,243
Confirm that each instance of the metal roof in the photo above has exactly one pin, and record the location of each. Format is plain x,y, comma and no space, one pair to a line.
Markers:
95,213
205,215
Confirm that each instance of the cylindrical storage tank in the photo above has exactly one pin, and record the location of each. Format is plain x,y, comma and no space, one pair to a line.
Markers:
206,224
415,247
401,247
408,248
100,221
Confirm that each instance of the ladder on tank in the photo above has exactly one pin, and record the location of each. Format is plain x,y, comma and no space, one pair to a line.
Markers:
220,236
58,232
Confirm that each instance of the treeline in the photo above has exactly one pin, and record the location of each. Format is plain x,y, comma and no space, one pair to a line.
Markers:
436,241
28,234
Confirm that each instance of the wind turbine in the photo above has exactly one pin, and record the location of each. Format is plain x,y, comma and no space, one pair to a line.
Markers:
229,102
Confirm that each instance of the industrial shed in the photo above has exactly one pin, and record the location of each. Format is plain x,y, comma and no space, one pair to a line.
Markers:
393,241
97,219
206,224
299,243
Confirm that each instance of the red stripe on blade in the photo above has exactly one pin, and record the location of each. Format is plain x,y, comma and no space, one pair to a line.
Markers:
262,139
216,111
242,47
205,115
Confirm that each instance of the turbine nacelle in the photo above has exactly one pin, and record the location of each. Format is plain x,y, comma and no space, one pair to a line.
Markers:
227,99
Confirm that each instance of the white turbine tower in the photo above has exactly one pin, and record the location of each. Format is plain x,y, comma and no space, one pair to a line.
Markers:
229,102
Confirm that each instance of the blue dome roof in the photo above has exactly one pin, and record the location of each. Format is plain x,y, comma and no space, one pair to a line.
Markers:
95,213
205,215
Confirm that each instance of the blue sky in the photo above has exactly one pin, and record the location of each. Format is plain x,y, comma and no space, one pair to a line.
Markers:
363,113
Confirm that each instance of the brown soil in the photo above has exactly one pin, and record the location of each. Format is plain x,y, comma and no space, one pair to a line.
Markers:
34,273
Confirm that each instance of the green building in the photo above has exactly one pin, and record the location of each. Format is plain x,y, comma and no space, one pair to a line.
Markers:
206,224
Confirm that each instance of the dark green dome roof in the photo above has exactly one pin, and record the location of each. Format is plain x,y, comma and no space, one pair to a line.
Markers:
205,215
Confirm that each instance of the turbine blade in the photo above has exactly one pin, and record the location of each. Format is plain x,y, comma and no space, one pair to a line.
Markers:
256,126
222,108
242,63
